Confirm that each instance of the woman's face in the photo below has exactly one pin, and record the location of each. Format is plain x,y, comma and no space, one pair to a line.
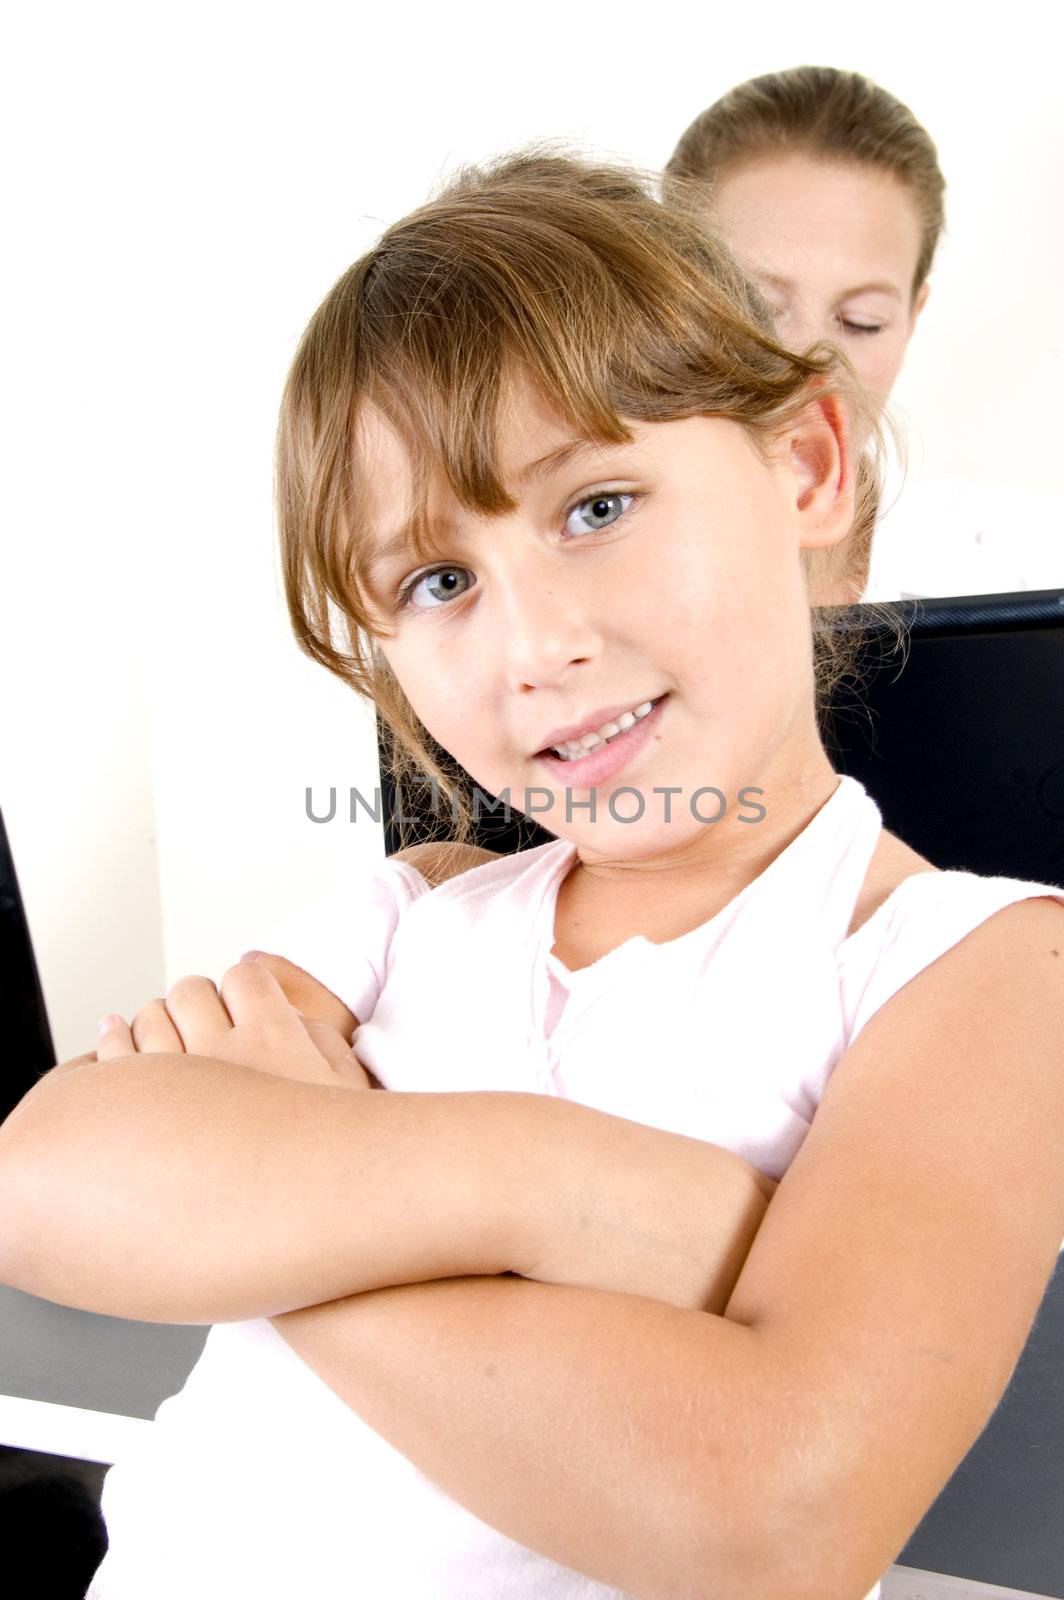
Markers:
833,247
668,567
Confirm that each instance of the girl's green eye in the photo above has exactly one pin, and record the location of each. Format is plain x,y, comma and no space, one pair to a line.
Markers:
407,589
602,510
599,505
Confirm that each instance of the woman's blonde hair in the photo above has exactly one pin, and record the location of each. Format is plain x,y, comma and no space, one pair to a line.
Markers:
566,272
821,112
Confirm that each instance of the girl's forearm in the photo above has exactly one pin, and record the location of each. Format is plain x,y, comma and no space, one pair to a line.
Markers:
618,1436
184,1189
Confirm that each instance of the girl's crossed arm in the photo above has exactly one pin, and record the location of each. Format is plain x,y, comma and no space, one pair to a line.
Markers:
788,1447
219,1168
232,1187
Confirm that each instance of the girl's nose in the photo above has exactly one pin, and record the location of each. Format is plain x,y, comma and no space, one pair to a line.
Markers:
546,622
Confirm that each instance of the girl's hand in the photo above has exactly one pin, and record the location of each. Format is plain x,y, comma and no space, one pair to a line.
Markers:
255,1027
313,1001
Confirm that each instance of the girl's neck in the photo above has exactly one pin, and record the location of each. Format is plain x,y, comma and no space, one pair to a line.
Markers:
602,904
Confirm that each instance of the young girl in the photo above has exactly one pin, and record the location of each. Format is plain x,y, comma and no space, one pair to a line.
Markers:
537,1320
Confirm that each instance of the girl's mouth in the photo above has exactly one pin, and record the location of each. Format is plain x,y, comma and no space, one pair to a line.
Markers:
601,764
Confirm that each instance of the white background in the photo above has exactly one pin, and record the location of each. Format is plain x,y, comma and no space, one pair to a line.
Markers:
183,185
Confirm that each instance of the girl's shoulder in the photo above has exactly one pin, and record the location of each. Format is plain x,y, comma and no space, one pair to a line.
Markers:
439,862
892,862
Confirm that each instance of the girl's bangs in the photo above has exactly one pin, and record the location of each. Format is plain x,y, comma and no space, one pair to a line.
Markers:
447,415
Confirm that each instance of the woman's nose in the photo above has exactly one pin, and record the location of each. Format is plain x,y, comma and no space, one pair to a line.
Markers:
798,327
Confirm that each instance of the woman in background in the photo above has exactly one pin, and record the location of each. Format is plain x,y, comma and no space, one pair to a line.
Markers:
828,191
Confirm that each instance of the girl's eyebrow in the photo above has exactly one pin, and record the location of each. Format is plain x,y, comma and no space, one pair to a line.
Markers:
571,450
401,542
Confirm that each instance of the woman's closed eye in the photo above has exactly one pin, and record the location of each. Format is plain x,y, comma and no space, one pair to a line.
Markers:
600,506
862,327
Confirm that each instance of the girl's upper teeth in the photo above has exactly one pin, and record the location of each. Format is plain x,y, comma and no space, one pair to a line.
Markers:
574,748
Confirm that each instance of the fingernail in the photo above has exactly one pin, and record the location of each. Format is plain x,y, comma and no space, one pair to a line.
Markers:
106,1023
252,955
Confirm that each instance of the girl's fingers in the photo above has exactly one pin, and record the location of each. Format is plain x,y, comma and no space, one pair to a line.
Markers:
153,1030
251,992
197,1016
150,1032
113,1038
310,997
337,1053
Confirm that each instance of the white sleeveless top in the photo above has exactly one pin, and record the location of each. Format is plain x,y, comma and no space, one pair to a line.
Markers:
256,1479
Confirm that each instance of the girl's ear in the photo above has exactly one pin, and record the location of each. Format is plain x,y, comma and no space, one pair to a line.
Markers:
818,472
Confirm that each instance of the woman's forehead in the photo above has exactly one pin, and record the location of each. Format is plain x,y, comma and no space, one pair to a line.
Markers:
795,218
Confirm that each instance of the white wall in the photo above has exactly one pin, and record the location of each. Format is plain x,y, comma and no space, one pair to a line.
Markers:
187,182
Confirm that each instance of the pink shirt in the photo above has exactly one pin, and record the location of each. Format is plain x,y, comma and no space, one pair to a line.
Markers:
256,1479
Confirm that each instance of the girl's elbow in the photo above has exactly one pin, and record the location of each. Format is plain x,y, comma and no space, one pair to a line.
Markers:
697,1541
51,1248
21,1235
736,1542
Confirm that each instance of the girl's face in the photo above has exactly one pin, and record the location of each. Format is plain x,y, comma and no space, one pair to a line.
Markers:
665,568
833,247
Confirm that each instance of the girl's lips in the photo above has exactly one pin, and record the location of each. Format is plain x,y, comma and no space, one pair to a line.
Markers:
602,764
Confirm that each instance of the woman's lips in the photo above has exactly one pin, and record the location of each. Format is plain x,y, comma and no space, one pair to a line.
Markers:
598,766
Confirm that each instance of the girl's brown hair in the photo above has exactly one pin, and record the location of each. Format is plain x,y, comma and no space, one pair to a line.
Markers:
569,274
820,112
